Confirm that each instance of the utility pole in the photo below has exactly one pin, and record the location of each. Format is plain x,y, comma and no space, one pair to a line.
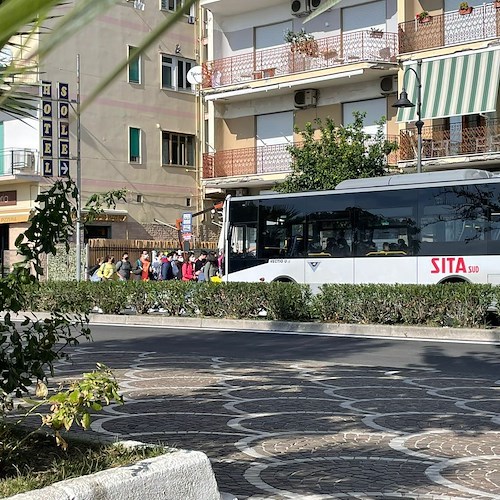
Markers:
78,177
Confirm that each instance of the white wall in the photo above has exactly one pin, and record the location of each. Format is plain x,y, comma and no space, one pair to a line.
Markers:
21,134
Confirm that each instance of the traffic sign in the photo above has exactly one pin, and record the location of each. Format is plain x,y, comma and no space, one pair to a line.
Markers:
63,168
187,222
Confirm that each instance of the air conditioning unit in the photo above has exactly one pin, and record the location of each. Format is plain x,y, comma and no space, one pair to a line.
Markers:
306,98
241,192
300,8
191,19
314,4
389,85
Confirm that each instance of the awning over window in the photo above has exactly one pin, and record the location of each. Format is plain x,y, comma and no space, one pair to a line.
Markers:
454,86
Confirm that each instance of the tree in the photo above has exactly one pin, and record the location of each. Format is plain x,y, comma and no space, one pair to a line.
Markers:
340,153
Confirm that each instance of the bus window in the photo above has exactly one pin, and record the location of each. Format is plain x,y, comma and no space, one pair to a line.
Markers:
452,222
388,218
331,237
244,241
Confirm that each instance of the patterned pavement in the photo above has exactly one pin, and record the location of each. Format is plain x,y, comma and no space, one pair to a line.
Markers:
278,430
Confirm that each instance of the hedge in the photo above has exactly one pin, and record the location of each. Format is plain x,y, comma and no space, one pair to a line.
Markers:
454,305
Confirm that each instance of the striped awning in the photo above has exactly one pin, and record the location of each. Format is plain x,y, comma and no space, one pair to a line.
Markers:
453,86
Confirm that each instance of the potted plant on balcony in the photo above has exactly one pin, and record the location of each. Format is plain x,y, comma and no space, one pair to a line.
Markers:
302,42
423,17
464,8
377,32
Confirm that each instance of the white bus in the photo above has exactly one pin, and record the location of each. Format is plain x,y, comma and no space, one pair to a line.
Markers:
415,228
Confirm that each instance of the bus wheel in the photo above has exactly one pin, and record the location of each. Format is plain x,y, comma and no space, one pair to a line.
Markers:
283,279
453,280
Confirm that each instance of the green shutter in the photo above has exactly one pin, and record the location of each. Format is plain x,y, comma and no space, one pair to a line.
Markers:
454,86
135,144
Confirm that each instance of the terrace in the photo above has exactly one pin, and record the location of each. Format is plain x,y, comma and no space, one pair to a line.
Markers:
450,28
288,59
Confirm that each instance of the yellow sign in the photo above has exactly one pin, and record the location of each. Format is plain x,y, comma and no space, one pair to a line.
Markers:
11,219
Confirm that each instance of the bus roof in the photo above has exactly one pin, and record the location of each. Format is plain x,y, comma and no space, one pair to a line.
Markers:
412,179
391,181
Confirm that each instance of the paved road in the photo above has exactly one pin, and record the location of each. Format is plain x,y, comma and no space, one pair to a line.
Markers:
307,417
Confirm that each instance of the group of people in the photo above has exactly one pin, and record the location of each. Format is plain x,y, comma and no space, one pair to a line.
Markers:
160,266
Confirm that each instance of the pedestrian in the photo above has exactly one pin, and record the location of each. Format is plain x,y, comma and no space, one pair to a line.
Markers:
108,269
92,272
144,263
188,268
199,264
167,273
211,269
124,267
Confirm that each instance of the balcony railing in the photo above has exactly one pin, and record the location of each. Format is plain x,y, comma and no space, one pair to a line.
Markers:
450,28
286,59
439,141
258,160
18,161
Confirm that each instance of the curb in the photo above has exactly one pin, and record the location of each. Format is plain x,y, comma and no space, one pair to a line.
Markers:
180,475
333,329
491,335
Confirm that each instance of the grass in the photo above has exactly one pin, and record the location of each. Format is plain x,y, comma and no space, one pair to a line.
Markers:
38,462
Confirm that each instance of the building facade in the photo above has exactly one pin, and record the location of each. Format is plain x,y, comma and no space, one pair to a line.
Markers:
264,76
138,135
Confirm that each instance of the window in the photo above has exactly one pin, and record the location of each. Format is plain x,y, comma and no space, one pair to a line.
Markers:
134,146
177,149
171,5
134,67
174,72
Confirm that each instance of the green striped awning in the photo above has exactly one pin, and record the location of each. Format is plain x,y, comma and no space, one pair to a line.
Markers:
454,86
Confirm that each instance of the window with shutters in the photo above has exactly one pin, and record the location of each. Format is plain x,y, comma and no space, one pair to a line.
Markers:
134,66
134,145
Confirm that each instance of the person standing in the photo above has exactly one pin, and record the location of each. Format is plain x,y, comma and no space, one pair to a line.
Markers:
188,268
166,267
145,265
124,267
109,269
199,264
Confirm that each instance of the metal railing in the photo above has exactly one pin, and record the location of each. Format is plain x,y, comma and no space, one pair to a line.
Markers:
288,59
456,140
450,28
258,160
15,161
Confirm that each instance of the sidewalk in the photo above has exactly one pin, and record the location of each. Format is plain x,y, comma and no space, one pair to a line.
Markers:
491,335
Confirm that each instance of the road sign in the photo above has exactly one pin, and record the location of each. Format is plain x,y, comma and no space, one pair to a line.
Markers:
187,236
187,222
63,168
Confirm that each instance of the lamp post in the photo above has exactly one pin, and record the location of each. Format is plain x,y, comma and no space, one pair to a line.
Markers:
404,102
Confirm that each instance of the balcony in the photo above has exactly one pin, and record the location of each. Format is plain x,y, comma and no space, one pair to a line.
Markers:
324,53
450,28
439,141
258,160
15,161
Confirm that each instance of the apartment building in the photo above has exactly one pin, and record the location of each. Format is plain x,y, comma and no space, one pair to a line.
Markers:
140,134
258,85
459,74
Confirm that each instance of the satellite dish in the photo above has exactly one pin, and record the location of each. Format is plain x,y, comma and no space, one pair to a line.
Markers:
195,75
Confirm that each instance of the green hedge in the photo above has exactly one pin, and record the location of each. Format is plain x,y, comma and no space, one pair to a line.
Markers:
457,305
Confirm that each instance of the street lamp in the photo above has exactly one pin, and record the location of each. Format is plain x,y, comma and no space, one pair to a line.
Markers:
404,102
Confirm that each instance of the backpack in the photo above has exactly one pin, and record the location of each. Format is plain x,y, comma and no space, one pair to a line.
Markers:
138,267
175,269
